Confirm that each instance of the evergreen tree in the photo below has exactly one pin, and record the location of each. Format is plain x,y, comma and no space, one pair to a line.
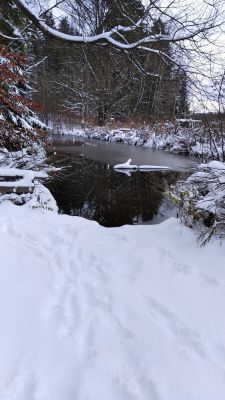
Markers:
12,25
123,12
18,126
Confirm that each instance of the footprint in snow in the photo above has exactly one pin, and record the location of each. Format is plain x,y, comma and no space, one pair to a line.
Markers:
168,320
170,261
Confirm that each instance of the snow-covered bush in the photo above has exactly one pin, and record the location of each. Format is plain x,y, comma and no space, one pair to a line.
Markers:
201,199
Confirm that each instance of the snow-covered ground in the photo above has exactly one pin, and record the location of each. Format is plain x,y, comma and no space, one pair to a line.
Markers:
89,313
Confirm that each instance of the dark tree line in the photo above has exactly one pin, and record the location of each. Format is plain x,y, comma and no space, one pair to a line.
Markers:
99,83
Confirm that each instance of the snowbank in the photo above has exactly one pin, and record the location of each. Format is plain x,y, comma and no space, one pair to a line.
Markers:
93,313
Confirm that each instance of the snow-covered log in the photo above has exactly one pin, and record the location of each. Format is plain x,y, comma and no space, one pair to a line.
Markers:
152,167
126,165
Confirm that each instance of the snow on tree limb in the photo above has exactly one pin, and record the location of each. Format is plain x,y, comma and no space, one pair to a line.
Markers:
188,32
8,37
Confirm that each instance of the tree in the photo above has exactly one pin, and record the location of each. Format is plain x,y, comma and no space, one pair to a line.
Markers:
182,105
11,21
91,82
124,13
156,40
19,127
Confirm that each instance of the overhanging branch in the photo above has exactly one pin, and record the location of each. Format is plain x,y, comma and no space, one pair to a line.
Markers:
109,36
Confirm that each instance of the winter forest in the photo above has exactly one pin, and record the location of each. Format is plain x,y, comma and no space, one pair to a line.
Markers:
112,199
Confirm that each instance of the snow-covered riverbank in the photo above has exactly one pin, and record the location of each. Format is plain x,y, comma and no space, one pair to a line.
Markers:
93,313
193,139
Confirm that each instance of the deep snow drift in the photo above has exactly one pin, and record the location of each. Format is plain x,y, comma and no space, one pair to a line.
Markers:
89,313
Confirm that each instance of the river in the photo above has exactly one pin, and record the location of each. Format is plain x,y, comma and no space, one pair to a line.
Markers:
88,186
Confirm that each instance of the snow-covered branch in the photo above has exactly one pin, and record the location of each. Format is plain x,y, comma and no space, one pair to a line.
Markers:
187,30
8,37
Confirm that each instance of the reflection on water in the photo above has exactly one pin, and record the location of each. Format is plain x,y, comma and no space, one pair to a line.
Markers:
93,190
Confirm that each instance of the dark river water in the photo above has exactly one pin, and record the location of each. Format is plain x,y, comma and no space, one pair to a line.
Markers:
88,186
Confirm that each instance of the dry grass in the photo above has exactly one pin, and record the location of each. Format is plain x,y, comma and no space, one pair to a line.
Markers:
66,120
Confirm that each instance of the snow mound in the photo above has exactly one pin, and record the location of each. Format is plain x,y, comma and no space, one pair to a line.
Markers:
213,165
198,177
216,165
26,177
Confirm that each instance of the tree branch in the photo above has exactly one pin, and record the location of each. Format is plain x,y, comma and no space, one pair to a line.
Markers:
107,37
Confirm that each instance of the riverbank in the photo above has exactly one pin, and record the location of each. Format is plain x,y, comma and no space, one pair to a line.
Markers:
183,137
138,313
